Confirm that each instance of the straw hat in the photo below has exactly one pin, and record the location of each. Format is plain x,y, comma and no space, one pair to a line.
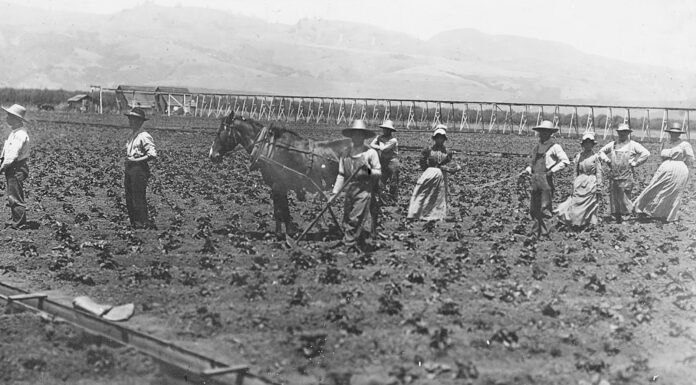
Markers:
546,125
440,129
137,112
388,124
17,111
623,127
675,127
588,136
358,127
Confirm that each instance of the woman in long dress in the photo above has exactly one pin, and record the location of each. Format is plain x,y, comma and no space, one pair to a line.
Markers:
429,198
662,197
580,209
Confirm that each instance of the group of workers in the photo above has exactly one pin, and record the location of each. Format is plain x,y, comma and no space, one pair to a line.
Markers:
369,176
140,149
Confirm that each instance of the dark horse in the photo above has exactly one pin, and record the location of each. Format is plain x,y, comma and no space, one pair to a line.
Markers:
287,161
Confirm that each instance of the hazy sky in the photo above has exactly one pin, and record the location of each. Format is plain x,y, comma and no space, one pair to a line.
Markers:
644,31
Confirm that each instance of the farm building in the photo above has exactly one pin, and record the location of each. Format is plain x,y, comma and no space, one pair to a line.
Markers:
80,102
174,100
128,97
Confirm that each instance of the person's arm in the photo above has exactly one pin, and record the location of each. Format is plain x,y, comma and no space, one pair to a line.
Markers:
424,159
641,154
561,159
605,151
340,179
374,164
375,143
689,154
599,173
148,146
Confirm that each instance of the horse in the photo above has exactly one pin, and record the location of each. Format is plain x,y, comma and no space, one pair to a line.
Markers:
287,161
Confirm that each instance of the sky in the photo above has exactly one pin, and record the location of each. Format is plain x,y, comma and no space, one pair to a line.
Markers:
642,31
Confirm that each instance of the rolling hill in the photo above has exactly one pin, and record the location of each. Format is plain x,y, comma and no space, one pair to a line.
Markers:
203,48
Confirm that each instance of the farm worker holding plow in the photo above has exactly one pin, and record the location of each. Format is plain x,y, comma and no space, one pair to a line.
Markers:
547,158
429,198
624,155
362,168
388,149
580,209
15,154
662,197
140,148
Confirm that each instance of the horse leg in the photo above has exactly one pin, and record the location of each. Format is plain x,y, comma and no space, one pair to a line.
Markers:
278,211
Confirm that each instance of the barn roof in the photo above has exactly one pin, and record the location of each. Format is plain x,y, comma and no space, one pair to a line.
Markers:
173,90
79,97
136,88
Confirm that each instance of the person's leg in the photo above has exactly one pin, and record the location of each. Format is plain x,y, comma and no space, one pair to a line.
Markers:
127,185
139,179
535,210
15,196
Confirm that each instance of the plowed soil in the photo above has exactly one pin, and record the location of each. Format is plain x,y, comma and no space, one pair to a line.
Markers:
468,300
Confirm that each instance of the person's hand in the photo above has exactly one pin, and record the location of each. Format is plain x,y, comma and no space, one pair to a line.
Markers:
633,164
331,196
131,159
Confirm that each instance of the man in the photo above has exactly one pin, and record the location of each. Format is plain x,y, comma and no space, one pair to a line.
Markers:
547,158
624,155
140,148
361,168
15,155
388,149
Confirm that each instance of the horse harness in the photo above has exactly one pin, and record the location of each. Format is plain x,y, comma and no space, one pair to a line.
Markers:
264,145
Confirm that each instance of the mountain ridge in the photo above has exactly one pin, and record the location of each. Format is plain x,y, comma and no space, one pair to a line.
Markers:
202,48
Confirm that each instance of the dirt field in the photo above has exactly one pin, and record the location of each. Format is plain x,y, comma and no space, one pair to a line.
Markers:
472,300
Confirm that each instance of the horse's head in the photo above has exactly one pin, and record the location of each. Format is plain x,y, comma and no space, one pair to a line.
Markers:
233,131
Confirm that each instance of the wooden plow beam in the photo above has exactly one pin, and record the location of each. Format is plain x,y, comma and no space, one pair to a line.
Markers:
180,362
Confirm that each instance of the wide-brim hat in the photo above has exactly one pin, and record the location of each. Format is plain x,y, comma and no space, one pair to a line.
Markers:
440,129
137,113
546,125
388,124
624,127
18,111
588,136
358,127
676,128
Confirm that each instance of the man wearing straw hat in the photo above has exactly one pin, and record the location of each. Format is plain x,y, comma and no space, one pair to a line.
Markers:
388,149
15,154
546,159
624,155
140,148
362,170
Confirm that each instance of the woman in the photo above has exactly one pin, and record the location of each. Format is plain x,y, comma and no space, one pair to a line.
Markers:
429,198
362,168
662,197
140,148
580,209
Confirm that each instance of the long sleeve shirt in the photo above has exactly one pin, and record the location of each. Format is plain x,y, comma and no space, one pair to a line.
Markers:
636,153
368,158
140,145
16,147
388,147
555,159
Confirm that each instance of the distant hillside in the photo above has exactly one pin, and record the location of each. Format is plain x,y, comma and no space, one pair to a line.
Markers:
203,48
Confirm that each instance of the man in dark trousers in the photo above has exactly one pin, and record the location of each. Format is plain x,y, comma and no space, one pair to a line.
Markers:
140,148
388,149
15,154
547,158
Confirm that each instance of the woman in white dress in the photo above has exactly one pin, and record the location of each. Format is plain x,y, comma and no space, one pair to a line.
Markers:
662,197
580,209
429,198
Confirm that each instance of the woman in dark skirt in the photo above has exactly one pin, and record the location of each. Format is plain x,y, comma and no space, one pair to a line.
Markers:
140,148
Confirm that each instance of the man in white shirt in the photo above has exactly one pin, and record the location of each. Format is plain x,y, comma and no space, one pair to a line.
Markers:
547,158
15,154
388,149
